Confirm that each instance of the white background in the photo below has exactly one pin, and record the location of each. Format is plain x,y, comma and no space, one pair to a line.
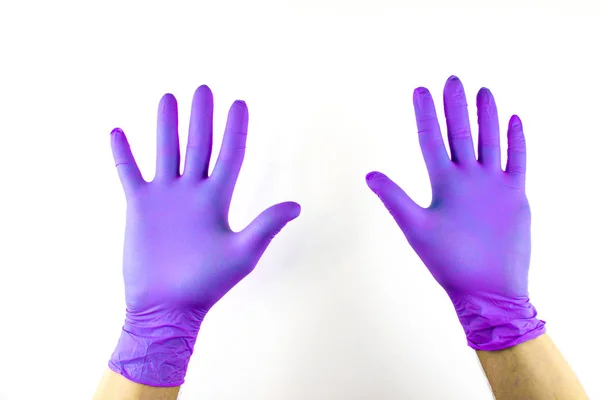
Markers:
339,307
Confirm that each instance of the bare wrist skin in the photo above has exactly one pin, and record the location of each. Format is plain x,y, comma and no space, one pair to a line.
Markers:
116,387
531,370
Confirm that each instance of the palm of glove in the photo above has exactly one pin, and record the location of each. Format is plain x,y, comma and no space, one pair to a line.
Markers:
179,250
475,236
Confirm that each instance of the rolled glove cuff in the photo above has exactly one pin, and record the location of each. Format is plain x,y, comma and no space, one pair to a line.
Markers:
494,322
156,351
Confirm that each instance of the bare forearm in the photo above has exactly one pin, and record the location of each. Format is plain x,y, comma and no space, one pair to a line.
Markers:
531,370
115,387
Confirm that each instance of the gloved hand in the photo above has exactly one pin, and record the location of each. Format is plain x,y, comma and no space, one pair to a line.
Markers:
180,255
475,236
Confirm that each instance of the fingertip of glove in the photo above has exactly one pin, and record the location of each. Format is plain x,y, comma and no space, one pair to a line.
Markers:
374,180
515,121
241,106
294,210
287,211
374,176
420,91
116,131
203,89
370,175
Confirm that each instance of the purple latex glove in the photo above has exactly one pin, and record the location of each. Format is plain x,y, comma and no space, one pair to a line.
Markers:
180,255
475,236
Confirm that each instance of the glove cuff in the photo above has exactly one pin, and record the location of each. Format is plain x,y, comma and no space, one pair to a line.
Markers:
156,351
493,322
